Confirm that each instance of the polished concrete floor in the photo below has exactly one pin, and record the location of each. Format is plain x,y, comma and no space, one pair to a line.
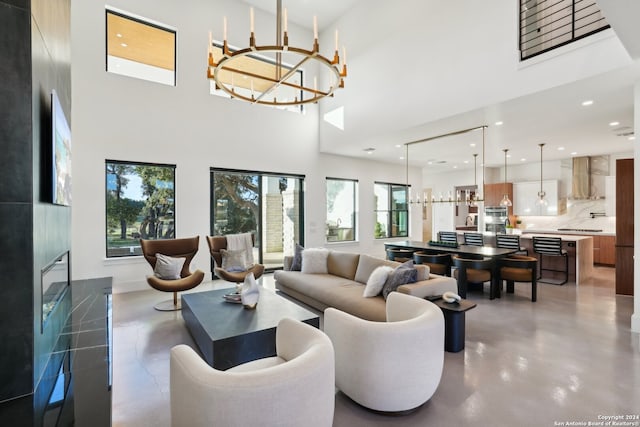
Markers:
569,357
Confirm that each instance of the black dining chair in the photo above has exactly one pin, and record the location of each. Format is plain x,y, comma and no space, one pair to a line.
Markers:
519,268
448,236
551,247
510,241
399,255
475,271
438,263
474,239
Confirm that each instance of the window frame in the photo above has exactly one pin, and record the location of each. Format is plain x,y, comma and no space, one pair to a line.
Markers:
391,212
354,213
152,24
135,251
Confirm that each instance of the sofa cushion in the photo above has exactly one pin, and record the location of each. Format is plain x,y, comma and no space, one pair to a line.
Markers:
403,274
342,264
332,291
376,281
314,261
367,264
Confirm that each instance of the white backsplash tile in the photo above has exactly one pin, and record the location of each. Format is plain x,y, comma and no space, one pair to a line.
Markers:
577,216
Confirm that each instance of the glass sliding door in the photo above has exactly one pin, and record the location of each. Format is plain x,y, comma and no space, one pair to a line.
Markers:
266,204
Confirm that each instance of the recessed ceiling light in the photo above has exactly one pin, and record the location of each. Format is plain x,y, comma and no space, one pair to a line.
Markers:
573,153
124,44
509,156
398,145
466,161
473,144
455,167
614,123
118,35
523,159
498,123
429,163
587,102
560,148
401,157
631,138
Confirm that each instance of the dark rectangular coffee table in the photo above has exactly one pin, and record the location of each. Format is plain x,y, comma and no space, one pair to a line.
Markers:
228,334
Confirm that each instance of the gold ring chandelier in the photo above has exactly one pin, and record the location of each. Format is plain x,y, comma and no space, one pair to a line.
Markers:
270,74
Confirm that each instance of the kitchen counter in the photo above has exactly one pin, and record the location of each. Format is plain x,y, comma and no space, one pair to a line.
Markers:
568,233
579,248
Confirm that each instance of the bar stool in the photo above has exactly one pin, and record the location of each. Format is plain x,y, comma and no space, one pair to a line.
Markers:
551,247
474,239
473,271
448,236
519,268
399,255
438,263
510,241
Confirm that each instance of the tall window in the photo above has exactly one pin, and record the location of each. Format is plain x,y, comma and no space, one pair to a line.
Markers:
137,47
341,210
140,202
392,214
269,205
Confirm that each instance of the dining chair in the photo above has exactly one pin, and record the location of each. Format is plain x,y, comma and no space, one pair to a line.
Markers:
510,241
474,239
475,271
399,255
438,263
519,268
448,236
551,247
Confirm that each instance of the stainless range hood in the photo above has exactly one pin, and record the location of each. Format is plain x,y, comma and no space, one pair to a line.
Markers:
588,177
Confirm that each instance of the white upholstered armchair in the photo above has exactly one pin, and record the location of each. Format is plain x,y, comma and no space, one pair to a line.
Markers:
294,388
391,366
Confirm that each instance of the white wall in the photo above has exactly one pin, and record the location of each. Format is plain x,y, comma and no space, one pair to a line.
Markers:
464,56
121,118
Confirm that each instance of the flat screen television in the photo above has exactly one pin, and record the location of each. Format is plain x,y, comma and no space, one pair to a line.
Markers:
61,153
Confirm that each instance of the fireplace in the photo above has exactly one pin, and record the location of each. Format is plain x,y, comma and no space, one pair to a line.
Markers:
56,278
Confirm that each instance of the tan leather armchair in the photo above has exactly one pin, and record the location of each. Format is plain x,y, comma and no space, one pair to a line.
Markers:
176,248
216,243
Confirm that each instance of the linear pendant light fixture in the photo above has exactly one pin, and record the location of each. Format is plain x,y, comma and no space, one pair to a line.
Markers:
270,74
505,198
541,200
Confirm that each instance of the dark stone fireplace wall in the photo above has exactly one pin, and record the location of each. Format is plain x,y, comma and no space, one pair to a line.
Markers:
34,59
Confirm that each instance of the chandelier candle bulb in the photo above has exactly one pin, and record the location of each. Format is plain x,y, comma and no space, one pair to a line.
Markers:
210,43
251,21
285,20
224,29
336,42
315,27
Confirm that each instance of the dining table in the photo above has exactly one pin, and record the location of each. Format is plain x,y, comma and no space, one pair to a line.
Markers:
487,252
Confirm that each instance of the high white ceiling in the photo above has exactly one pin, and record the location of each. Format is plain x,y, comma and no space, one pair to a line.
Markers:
384,121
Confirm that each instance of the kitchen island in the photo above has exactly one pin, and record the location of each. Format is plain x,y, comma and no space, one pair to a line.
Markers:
579,249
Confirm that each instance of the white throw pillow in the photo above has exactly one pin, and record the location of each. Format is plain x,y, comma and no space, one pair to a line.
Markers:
168,268
376,281
314,261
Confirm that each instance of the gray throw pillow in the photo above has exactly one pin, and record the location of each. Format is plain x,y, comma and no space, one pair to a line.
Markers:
296,264
234,260
168,268
403,274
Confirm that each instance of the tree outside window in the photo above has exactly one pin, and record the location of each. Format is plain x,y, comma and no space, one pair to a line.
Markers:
391,210
341,210
140,203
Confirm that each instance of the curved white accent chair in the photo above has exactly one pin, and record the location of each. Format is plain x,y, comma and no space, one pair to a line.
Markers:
392,366
295,388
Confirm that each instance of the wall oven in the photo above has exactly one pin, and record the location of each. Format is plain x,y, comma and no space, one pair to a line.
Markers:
495,219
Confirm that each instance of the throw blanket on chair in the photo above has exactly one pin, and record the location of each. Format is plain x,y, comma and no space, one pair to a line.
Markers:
243,241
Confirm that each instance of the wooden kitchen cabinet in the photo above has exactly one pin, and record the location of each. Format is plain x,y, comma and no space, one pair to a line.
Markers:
493,194
604,250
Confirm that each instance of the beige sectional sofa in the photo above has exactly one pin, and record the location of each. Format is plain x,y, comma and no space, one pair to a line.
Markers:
343,286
